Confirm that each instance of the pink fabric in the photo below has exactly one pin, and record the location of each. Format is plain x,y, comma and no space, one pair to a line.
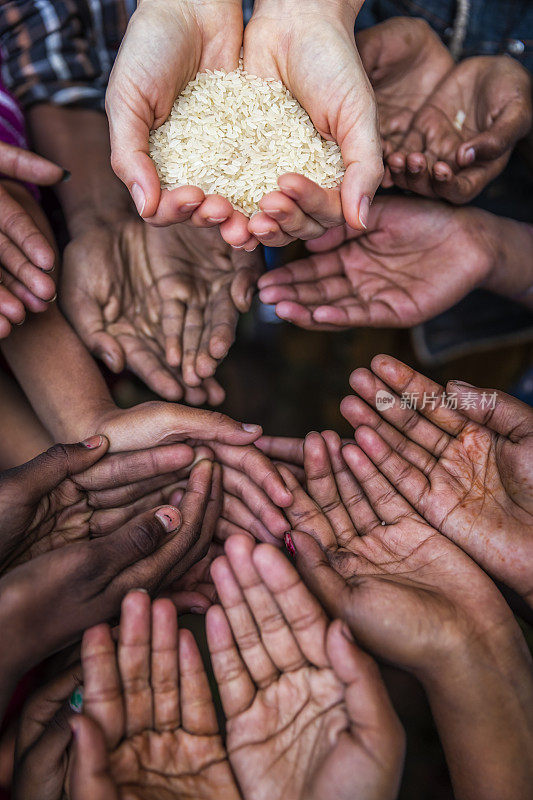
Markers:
13,128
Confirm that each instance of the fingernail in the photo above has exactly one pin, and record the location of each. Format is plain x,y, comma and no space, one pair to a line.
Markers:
249,296
197,610
188,206
53,299
346,632
463,383
109,360
93,442
18,324
139,589
67,174
169,517
364,211
48,270
216,220
470,155
289,544
76,700
138,198
251,428
415,169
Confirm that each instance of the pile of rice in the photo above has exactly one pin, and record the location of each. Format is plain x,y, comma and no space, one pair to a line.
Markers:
234,134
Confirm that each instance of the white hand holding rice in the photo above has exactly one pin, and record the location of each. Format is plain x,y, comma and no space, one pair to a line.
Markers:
234,134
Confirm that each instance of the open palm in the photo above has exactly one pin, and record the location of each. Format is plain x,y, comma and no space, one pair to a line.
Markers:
150,697
417,259
467,470
294,729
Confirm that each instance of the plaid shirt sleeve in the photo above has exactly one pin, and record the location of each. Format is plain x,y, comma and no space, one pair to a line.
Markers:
61,51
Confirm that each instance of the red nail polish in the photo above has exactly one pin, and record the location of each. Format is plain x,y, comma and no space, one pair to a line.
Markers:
289,544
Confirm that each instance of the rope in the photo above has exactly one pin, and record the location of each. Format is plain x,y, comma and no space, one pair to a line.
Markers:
460,26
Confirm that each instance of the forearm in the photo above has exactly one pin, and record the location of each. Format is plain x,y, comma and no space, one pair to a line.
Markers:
482,702
346,9
23,436
512,271
58,375
79,139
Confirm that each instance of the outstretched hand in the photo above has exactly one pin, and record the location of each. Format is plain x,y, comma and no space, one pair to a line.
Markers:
165,46
416,260
463,136
162,302
307,713
312,51
462,457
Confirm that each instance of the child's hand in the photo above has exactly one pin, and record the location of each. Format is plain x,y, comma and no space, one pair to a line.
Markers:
26,253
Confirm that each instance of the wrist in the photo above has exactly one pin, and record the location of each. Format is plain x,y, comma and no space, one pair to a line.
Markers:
511,273
345,10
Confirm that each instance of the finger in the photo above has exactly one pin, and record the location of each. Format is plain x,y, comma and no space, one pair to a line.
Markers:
384,499
311,293
31,276
322,205
192,334
173,318
235,686
498,411
290,217
276,635
23,165
106,520
11,291
404,417
305,270
300,315
237,513
226,528
11,308
282,448
151,368
90,776
257,466
367,701
219,335
404,379
239,485
195,503
305,515
102,691
86,316
510,125
322,487
41,708
235,231
212,212
133,652
198,715
164,666
130,468
19,227
321,579
48,470
267,231
353,498
215,392
252,649
358,413
405,478
300,609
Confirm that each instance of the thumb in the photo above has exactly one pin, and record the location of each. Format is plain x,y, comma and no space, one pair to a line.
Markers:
319,576
48,470
130,160
510,125
363,158
23,165
90,775
498,411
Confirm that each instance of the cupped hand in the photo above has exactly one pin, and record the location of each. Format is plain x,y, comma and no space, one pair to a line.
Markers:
43,738
166,44
417,259
91,577
405,61
75,492
462,457
312,51
307,715
463,136
27,253
149,727
247,474
164,303
408,594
